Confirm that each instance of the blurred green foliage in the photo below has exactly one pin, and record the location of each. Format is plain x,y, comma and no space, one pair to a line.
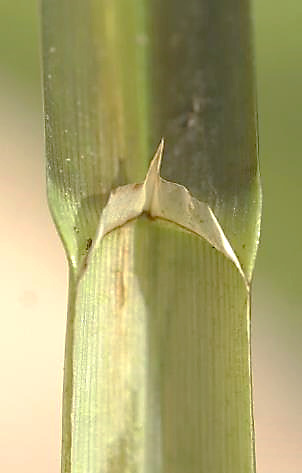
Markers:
19,45
278,41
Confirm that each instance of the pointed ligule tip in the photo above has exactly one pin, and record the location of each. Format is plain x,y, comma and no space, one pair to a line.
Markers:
159,153
156,161
161,145
154,168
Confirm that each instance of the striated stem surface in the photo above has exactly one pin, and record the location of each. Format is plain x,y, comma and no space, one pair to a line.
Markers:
157,365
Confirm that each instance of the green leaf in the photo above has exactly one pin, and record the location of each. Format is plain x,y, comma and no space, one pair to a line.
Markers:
157,367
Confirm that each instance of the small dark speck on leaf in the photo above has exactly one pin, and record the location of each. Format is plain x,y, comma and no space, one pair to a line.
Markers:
88,243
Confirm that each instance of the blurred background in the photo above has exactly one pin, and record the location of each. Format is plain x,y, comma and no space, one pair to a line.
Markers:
34,271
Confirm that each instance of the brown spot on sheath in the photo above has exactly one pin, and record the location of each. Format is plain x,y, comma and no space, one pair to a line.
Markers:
120,290
121,278
88,244
136,186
